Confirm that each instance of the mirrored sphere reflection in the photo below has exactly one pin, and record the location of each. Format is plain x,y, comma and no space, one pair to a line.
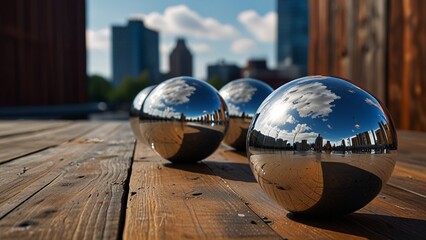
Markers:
243,97
135,109
321,146
184,119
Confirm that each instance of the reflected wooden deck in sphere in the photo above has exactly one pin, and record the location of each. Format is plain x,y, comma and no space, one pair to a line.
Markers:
184,119
242,96
322,146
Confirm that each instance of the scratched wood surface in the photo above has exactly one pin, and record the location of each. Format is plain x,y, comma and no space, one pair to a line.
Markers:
89,180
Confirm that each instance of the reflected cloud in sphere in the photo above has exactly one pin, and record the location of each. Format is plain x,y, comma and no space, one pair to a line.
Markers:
243,97
135,109
322,146
184,119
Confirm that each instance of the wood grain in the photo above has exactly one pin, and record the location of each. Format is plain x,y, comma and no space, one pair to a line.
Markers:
97,185
20,145
10,128
75,190
170,201
399,210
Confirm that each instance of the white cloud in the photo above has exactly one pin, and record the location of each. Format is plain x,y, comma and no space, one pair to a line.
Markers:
98,39
175,92
375,104
310,100
262,27
243,45
183,21
166,96
237,93
199,47
300,132
329,126
233,109
291,120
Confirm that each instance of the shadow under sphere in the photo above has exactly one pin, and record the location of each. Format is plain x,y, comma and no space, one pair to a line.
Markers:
322,146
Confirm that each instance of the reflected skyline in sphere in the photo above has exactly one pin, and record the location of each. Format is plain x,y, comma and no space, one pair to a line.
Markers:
135,109
184,119
322,146
243,97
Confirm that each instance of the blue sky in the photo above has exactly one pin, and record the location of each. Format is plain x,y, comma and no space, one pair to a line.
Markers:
233,30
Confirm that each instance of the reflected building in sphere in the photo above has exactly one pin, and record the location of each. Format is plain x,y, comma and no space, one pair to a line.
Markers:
296,145
134,50
183,119
180,60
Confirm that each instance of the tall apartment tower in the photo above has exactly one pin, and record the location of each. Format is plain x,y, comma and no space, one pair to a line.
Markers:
43,52
292,42
134,50
180,60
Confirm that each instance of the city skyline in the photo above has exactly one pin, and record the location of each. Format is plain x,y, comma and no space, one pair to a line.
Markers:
232,31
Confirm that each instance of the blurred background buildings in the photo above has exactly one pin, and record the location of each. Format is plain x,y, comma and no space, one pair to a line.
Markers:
135,49
180,60
377,44
292,32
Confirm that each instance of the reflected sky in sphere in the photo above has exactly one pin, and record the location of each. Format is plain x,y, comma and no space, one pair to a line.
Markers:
334,108
321,146
243,97
183,119
188,96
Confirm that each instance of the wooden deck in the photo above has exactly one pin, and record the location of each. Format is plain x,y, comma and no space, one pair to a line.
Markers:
90,180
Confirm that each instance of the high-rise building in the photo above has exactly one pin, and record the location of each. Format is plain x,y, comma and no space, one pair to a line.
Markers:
292,42
224,71
134,50
43,52
180,60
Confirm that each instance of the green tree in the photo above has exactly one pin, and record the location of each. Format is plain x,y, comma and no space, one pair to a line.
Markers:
129,88
216,82
99,89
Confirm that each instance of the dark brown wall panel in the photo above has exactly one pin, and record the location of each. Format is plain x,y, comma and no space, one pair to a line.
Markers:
43,52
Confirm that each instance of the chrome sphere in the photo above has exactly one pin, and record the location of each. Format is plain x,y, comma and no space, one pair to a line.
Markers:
135,109
184,119
243,97
321,146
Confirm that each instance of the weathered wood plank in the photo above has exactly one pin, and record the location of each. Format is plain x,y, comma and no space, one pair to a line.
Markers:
10,128
410,169
72,191
21,145
228,165
169,201
398,211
